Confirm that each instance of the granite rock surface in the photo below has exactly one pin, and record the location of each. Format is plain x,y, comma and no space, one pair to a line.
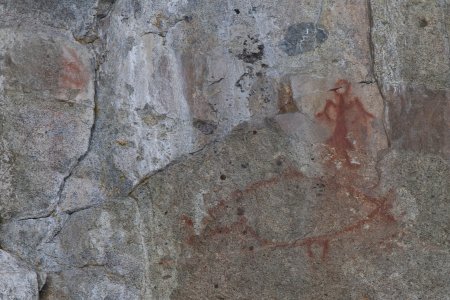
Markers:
191,149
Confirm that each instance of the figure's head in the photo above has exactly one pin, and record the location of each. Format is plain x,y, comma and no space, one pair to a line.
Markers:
342,87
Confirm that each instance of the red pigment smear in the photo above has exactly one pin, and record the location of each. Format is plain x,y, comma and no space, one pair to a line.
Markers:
242,229
187,221
349,120
73,74
346,115
166,262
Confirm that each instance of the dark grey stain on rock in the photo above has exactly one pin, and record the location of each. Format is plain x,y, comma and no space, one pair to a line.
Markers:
253,50
206,127
303,37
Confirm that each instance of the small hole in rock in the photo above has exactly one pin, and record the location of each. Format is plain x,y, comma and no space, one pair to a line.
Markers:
216,286
223,177
240,211
255,132
423,23
250,248
237,11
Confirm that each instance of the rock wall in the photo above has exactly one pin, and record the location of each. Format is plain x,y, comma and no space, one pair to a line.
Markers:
191,149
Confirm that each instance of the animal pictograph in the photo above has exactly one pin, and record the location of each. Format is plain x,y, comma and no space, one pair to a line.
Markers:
349,123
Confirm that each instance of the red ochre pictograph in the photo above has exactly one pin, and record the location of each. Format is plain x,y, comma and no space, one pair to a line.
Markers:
348,118
346,115
73,74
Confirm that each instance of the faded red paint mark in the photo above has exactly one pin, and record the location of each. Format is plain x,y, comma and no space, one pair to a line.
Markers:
187,221
166,262
73,74
244,231
349,119
290,173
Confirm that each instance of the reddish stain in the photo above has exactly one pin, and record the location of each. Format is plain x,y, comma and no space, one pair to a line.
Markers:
290,173
349,119
73,74
325,248
166,262
187,221
241,227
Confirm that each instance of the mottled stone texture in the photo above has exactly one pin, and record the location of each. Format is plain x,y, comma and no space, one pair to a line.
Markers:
191,149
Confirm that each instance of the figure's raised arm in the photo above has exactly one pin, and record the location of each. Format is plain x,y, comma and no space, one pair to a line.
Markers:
328,112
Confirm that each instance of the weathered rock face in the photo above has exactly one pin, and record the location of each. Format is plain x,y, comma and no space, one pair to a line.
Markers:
18,281
224,149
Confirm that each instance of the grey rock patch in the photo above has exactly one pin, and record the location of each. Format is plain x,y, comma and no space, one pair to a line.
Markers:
102,243
47,111
16,280
138,213
303,37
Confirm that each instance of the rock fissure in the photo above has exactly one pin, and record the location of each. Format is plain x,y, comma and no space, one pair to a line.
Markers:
374,72
148,151
145,291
